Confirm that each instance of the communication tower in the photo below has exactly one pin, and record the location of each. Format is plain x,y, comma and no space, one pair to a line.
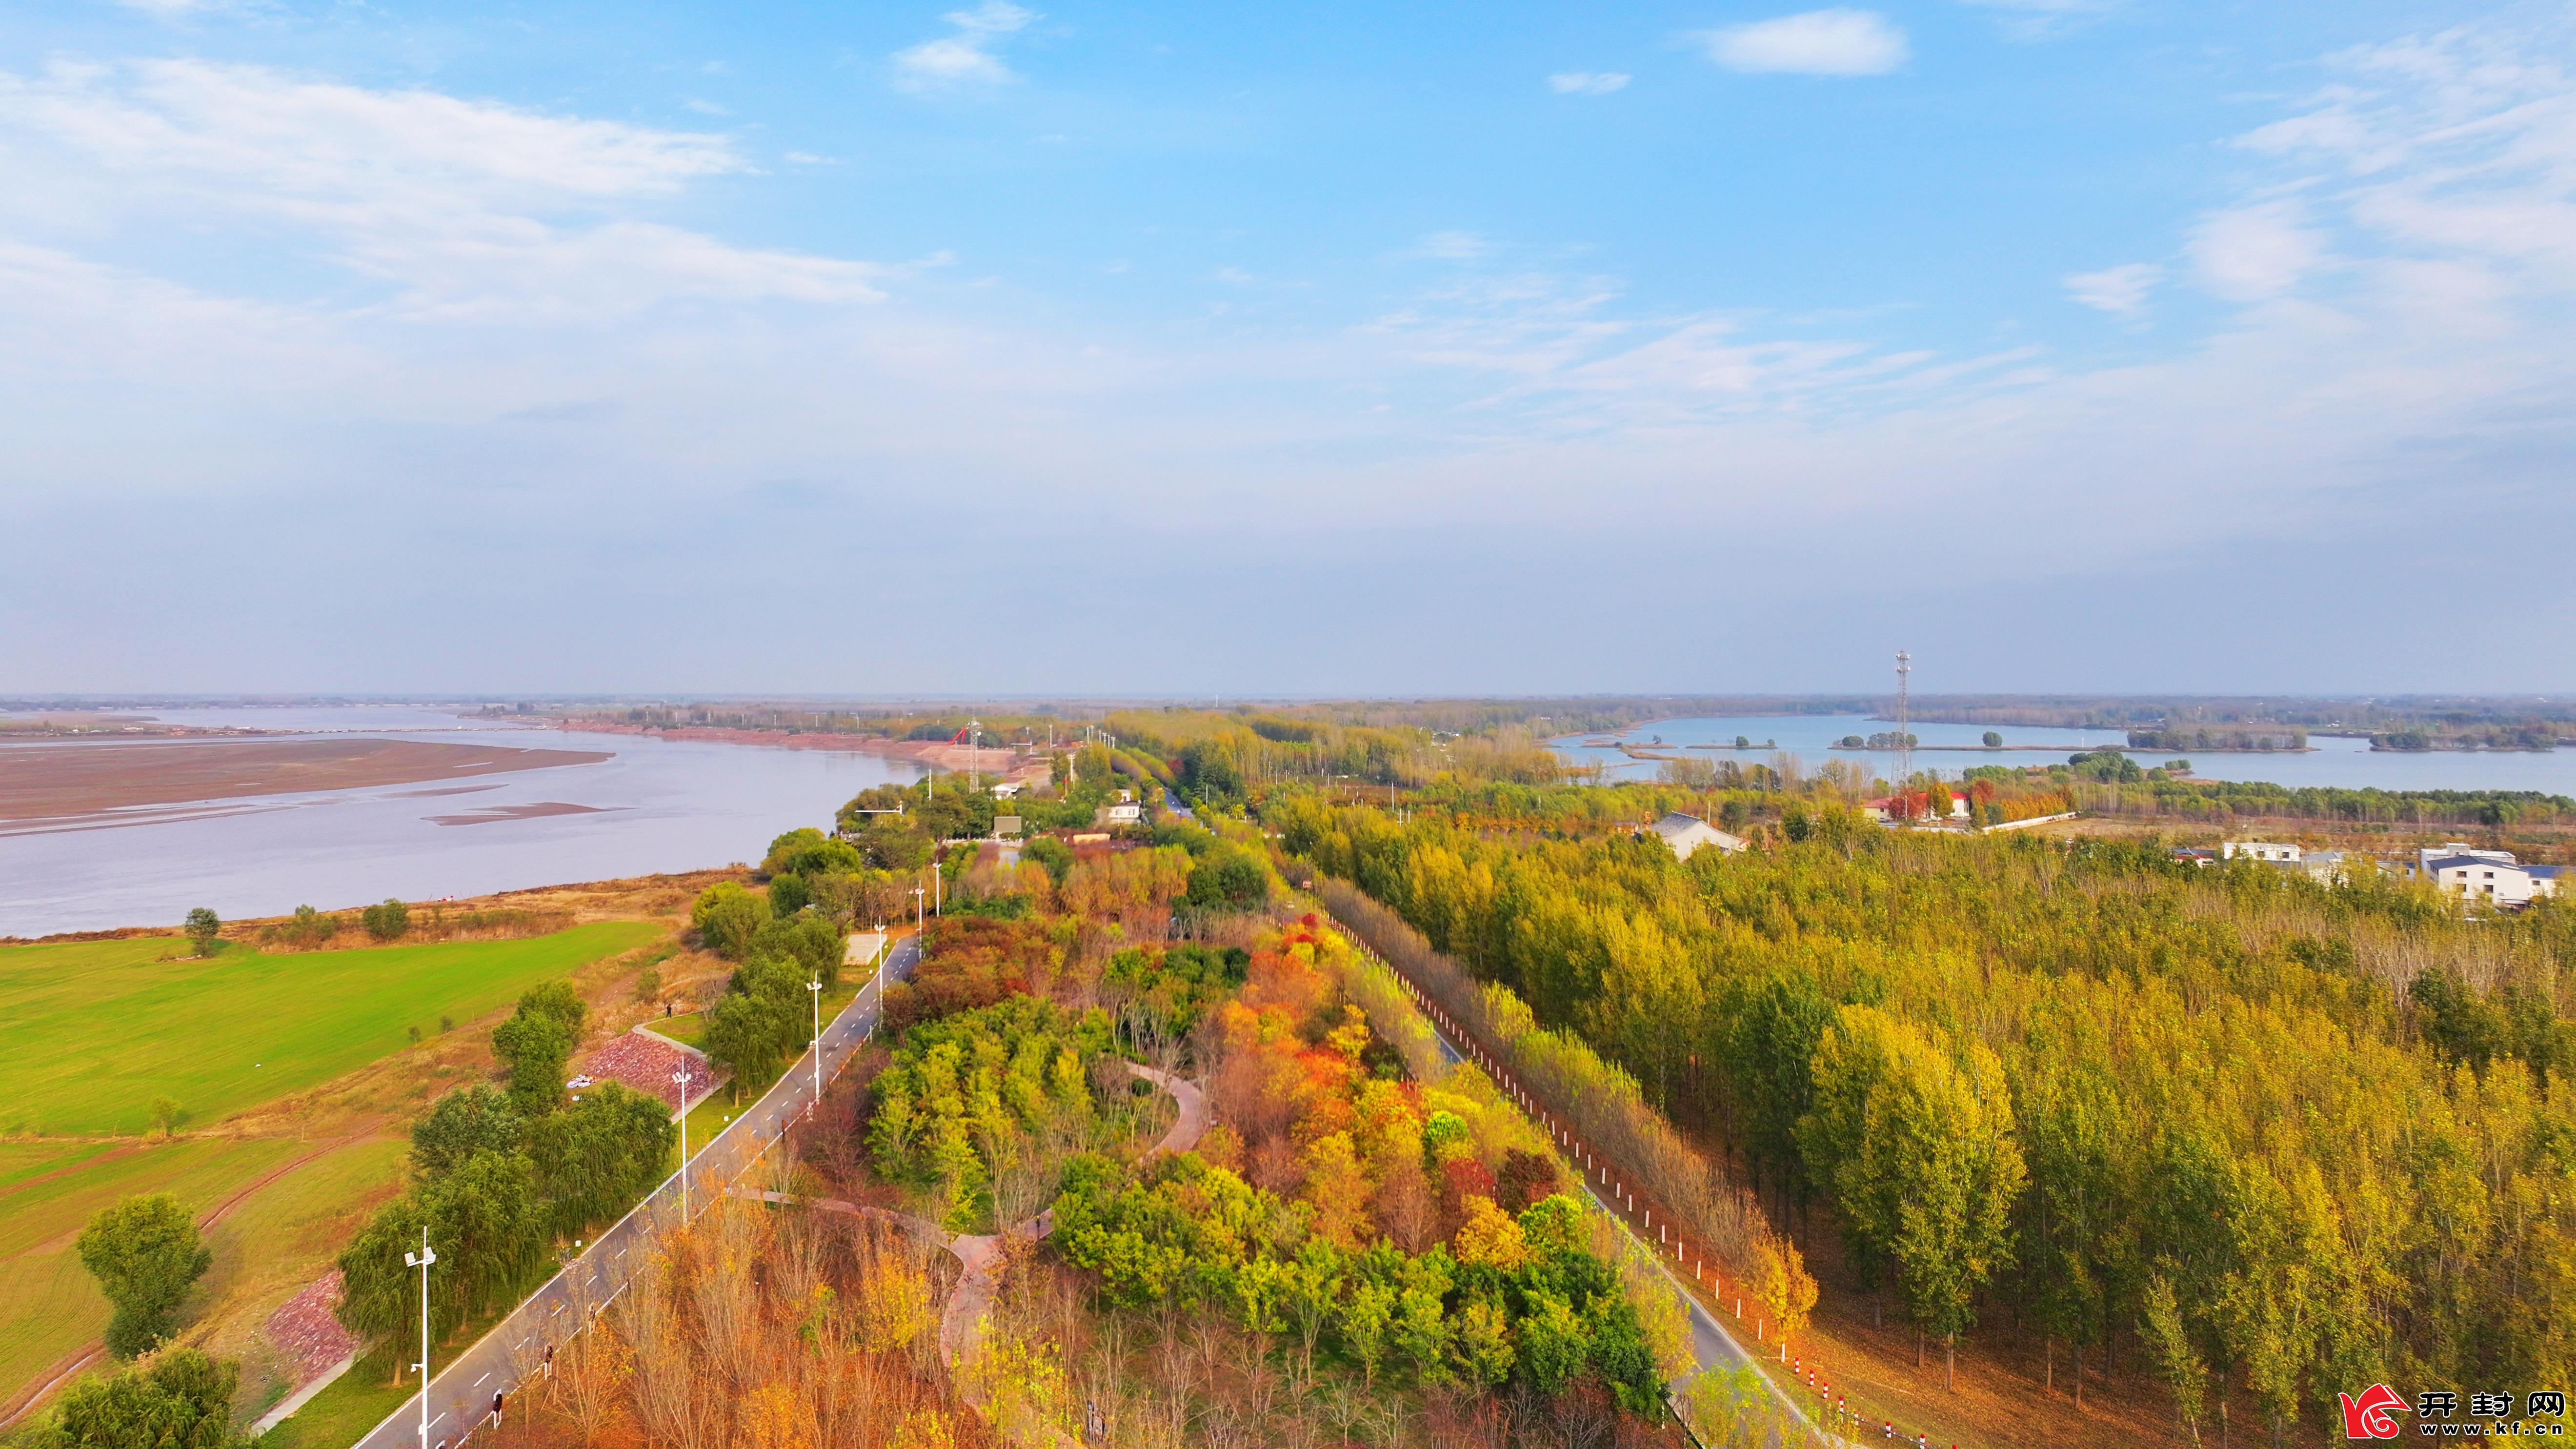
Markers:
1904,741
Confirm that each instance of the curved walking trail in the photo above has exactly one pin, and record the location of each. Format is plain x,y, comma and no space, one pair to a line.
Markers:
961,1326
981,1255
516,1350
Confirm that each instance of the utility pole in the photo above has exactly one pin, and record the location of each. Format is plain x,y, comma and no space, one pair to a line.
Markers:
422,1260
1904,741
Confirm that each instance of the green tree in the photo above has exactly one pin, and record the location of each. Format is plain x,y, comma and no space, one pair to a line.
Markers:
1774,1025
474,1119
748,1033
727,916
177,1399
1229,878
789,894
145,1255
1920,1152
203,925
1994,739
485,1221
2177,1361
537,1041
166,1113
811,946
596,1158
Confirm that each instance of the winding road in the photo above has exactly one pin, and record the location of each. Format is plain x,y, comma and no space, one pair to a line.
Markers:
461,1395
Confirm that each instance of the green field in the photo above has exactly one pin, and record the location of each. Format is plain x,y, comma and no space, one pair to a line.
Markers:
91,1032
52,1306
689,1029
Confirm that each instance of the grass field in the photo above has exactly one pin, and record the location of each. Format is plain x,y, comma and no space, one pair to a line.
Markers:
688,1030
92,1032
52,1306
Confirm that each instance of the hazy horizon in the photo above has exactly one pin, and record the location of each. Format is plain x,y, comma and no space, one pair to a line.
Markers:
2075,345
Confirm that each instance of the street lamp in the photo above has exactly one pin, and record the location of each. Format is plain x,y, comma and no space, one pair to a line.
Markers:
816,986
682,1077
920,921
877,967
422,1260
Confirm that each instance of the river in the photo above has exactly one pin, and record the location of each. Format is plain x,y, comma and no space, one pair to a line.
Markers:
653,806
2338,761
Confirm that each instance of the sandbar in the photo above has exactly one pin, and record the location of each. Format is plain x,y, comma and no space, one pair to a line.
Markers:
83,786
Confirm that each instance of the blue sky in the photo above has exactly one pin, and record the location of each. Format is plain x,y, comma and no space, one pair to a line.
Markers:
1312,349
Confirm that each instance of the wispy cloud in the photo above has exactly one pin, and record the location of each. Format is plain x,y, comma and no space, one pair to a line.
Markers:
2260,250
1837,42
461,206
2042,19
964,57
2121,291
1453,246
1586,82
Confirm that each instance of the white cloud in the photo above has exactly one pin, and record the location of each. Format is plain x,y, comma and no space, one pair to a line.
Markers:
2260,250
2399,246
1586,82
2121,291
966,57
1838,42
461,207
1453,246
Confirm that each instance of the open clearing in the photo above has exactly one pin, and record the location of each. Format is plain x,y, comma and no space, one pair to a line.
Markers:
91,1032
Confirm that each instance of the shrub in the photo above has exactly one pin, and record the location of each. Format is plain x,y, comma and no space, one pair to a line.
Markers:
388,920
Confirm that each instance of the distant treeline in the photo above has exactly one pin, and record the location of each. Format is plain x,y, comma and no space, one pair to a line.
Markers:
2205,739
2220,800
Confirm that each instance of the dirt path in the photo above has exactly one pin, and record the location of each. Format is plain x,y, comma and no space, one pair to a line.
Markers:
961,1325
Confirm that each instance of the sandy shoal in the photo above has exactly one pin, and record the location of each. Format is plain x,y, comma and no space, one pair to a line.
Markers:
76,781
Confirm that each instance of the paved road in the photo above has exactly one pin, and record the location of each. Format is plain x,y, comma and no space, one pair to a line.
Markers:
460,1397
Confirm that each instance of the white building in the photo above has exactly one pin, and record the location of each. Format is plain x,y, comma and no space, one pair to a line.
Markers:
2425,857
2480,875
1686,833
2260,850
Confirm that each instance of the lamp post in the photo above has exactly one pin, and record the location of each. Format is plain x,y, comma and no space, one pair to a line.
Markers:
920,921
422,1260
682,1078
816,986
877,978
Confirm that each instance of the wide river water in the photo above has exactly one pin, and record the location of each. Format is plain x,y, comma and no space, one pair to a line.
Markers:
2338,761
656,806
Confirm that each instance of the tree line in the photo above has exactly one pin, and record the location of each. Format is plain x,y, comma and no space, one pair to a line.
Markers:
2282,1138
